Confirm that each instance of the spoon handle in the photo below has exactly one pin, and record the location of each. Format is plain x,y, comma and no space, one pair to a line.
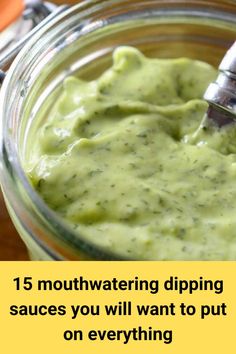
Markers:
221,94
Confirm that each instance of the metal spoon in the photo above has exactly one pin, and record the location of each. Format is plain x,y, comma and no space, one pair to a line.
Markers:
221,94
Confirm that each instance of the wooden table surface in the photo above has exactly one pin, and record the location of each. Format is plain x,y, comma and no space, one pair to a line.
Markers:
11,246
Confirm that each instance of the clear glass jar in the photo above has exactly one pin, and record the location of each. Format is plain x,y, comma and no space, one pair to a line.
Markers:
80,41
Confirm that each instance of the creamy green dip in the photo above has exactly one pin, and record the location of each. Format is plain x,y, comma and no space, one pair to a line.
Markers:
130,163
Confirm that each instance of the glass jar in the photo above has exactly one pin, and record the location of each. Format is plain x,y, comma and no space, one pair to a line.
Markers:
80,42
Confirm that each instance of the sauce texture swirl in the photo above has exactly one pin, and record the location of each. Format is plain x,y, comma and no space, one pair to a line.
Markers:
129,161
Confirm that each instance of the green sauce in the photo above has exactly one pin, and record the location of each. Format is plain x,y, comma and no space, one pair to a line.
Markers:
130,163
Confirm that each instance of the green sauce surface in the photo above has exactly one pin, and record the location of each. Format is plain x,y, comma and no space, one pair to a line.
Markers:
129,161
